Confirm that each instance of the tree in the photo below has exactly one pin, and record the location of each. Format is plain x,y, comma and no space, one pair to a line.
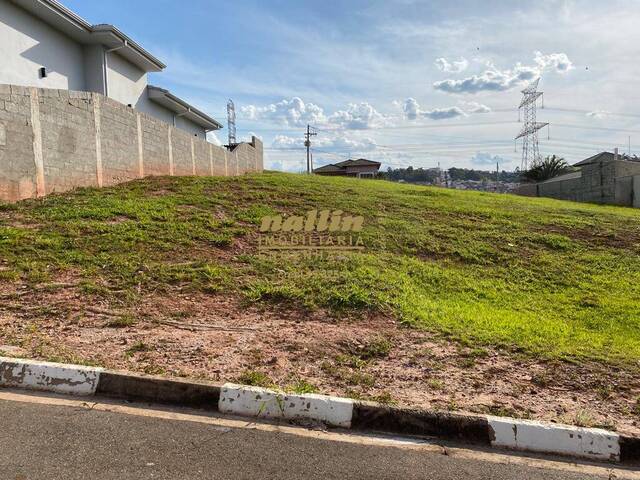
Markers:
542,170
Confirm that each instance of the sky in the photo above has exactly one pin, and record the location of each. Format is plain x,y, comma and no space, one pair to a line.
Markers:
415,83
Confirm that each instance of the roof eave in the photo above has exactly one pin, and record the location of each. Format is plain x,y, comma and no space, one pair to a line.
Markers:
168,100
153,64
60,17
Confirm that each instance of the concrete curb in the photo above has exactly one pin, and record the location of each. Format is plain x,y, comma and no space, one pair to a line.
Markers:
261,403
498,432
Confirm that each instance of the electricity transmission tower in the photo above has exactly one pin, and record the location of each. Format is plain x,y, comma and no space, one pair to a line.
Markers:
307,143
529,133
231,120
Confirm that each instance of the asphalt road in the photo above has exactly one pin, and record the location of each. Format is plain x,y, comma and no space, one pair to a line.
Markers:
44,440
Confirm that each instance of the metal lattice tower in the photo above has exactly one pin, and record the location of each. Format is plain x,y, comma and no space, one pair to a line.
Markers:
529,133
231,120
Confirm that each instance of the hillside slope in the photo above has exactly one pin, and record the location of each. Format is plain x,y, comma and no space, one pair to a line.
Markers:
551,278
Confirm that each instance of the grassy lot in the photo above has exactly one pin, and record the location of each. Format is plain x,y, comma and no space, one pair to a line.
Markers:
544,277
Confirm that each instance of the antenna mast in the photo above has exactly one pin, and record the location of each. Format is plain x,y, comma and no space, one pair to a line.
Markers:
231,121
529,133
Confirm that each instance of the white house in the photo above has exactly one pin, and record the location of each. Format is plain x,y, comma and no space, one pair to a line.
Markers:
43,44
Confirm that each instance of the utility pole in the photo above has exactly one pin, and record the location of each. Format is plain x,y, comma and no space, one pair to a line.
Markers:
497,175
307,143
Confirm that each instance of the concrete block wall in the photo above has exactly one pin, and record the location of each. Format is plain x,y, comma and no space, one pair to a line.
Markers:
66,120
57,140
612,183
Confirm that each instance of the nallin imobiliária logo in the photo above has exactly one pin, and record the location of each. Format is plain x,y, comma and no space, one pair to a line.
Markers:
319,231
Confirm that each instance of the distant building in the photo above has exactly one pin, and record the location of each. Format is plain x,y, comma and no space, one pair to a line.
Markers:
44,44
360,168
606,178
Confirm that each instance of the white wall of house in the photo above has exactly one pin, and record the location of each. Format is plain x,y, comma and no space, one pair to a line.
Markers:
27,44
93,70
188,126
126,83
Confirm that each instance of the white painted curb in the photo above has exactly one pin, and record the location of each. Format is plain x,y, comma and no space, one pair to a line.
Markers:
523,435
262,403
552,438
50,377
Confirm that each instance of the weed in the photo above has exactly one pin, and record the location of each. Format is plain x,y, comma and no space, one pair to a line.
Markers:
584,418
255,378
138,347
351,361
301,386
467,362
384,398
123,321
541,379
436,384
502,411
604,391
361,379
154,370
329,368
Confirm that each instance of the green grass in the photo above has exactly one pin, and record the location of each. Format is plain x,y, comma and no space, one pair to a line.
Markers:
543,277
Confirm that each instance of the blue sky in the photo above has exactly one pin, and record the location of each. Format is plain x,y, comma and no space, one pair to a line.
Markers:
406,82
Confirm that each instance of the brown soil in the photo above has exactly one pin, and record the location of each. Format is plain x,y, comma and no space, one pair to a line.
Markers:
219,338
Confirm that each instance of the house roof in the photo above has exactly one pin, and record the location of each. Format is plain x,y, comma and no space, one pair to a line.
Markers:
607,157
177,105
602,156
328,168
63,19
342,166
361,162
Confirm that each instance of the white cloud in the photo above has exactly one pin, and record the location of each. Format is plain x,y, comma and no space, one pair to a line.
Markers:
444,113
556,61
452,67
357,116
475,107
484,158
295,112
292,113
334,143
494,79
598,114
413,111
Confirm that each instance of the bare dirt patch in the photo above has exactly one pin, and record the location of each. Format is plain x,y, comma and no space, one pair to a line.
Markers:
220,338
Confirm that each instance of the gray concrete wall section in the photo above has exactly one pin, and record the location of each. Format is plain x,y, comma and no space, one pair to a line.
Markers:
182,161
219,157
201,156
67,120
119,143
624,191
56,140
155,146
17,175
605,182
